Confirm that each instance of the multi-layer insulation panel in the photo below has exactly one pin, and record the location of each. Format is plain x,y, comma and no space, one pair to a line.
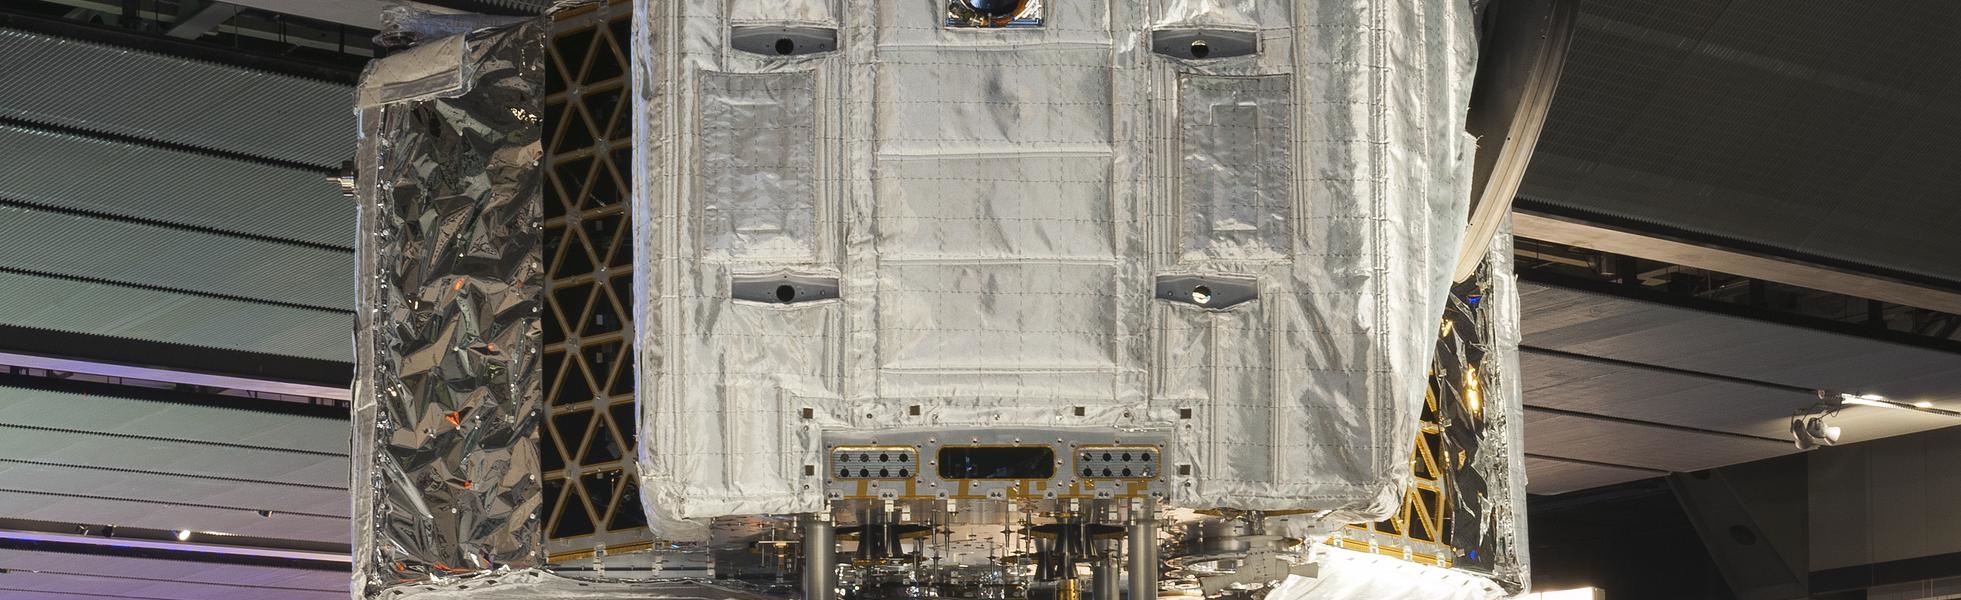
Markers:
1223,227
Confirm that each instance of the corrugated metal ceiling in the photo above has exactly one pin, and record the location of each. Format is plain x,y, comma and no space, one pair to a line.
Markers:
159,198
49,576
174,317
1676,369
169,186
152,255
89,458
1824,128
169,99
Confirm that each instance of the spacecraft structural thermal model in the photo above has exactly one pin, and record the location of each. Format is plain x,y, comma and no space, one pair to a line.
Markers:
963,299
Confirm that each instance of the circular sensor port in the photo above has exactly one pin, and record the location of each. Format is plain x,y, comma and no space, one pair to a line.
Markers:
994,8
1201,295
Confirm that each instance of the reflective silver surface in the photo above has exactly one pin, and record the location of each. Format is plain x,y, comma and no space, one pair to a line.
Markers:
447,335
1477,385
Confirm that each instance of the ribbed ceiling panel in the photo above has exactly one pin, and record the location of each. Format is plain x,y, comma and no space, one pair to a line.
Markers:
128,92
134,511
1549,477
78,482
269,581
86,307
96,460
189,422
1648,333
1631,393
139,454
64,584
145,254
1676,369
1638,446
175,187
1825,131
528,5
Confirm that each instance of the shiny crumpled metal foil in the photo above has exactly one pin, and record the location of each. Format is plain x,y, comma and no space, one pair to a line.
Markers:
1477,385
447,345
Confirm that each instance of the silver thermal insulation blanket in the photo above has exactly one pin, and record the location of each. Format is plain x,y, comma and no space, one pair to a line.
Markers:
1476,379
447,395
1064,225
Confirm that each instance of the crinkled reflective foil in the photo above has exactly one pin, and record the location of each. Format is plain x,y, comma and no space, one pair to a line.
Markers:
447,336
1477,385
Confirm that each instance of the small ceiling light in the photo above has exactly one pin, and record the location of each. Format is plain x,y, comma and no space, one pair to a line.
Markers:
1816,427
183,535
1799,437
1809,429
1868,400
1878,401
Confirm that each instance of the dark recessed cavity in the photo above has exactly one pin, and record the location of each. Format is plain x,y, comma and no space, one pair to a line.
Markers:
997,462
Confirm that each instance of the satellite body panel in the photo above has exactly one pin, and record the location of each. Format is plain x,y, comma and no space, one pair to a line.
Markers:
1220,230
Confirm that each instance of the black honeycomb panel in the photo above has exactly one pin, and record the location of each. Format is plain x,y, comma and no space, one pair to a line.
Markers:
589,435
605,446
627,513
573,428
602,487
573,518
627,419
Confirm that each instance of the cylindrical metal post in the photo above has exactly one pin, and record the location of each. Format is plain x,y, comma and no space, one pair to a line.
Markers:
1144,552
1105,575
819,557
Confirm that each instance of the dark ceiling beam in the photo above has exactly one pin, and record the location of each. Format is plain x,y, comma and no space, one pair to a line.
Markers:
481,7
1580,414
1595,463
172,474
87,387
171,290
1663,297
144,359
188,582
366,14
20,123
104,216
161,44
1670,244
161,544
1616,362
207,18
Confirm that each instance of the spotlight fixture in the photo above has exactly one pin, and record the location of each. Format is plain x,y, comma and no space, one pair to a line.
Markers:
1809,430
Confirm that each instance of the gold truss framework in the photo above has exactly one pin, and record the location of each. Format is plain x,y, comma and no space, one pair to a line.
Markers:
1417,532
591,497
